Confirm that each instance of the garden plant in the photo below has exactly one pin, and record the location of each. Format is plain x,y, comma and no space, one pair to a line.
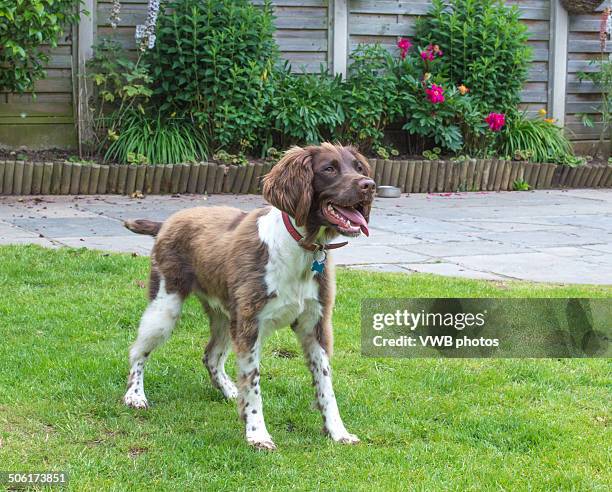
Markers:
214,67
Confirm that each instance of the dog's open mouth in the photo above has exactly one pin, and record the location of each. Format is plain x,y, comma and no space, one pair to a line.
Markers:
349,220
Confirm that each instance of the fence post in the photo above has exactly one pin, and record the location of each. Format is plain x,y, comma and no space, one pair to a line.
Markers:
557,83
85,41
339,27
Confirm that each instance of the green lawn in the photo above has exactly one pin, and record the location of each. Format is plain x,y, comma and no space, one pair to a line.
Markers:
68,316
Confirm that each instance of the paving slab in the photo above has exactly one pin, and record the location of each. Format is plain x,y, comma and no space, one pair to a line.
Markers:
573,251
380,267
74,227
463,248
8,231
362,254
451,270
539,267
545,239
120,244
604,248
561,236
39,241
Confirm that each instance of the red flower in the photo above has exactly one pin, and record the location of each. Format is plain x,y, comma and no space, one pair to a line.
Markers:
404,44
496,121
435,94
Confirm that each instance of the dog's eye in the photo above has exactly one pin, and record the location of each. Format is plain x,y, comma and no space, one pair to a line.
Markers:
330,169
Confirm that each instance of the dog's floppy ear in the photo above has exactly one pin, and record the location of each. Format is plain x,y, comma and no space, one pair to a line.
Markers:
288,186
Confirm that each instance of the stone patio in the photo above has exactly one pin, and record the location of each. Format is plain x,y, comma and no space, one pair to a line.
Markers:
543,236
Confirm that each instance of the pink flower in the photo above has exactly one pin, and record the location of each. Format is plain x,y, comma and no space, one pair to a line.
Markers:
404,44
435,94
496,121
427,55
431,52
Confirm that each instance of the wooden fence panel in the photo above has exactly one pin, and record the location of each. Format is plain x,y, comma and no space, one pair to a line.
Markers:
583,97
46,120
302,29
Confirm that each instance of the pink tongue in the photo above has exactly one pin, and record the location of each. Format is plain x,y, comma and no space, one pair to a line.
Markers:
355,217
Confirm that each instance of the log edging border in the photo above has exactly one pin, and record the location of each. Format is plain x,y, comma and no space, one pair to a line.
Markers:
412,176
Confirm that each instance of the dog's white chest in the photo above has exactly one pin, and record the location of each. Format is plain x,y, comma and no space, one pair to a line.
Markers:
290,283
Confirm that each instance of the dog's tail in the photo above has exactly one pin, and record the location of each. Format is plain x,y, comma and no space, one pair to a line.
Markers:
143,226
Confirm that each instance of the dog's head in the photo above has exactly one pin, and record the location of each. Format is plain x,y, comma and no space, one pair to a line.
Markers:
326,186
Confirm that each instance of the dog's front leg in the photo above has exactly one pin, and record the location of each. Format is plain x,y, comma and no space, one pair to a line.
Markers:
318,362
248,351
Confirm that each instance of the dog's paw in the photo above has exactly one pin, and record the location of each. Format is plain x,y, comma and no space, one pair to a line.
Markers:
261,442
347,439
229,390
343,437
135,401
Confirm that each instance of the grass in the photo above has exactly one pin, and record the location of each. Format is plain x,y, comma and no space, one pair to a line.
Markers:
68,316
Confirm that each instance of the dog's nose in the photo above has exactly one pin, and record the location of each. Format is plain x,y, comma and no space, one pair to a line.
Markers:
367,184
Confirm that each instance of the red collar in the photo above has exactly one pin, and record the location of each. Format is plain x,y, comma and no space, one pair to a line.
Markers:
298,237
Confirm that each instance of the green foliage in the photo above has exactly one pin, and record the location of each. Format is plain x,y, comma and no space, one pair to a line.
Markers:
540,140
305,108
520,185
26,26
385,151
212,61
433,154
452,121
273,154
574,160
230,159
602,76
450,124
121,86
484,45
371,99
162,141
133,158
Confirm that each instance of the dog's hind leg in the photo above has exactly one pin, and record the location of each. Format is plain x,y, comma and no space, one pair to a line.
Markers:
155,328
216,354
248,351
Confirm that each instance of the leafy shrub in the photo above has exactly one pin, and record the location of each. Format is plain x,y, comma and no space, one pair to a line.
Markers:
602,77
27,25
212,61
157,140
121,86
537,139
371,98
305,108
433,108
484,45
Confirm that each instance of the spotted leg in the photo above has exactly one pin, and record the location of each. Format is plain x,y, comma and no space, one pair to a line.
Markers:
318,362
155,328
250,403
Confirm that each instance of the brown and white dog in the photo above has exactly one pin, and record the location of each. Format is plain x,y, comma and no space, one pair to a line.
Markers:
256,272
